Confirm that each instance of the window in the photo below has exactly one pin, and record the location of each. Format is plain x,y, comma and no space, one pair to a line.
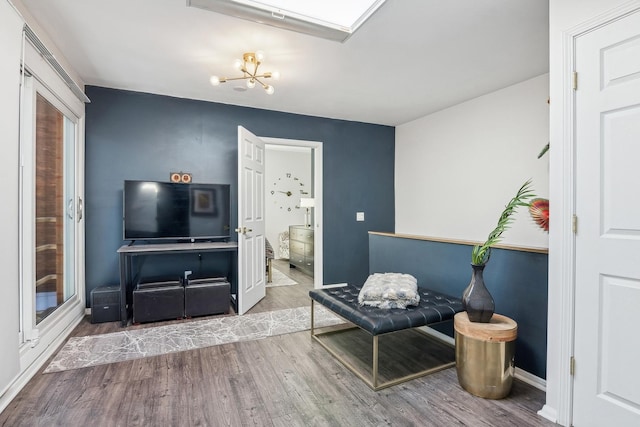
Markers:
54,208
51,183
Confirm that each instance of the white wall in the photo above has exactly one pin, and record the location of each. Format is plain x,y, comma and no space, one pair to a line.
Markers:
10,43
280,161
457,168
563,16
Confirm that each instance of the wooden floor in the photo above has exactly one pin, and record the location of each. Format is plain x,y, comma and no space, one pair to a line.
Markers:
287,380
281,297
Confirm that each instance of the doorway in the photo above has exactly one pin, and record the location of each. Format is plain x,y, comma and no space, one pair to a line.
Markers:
292,171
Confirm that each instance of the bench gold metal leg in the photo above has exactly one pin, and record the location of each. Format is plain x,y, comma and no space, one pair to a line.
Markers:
312,317
374,368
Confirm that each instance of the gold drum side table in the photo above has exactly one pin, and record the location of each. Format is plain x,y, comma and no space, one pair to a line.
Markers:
485,355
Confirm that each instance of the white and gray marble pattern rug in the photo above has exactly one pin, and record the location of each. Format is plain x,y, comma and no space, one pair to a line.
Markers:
93,350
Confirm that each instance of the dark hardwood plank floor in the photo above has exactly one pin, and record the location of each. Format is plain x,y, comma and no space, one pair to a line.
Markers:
286,380
281,297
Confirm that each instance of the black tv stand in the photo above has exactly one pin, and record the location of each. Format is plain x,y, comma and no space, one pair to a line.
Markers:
128,252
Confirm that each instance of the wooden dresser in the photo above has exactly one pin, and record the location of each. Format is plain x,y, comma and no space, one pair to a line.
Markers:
301,248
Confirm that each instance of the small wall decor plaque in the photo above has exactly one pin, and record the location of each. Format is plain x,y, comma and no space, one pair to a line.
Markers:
182,177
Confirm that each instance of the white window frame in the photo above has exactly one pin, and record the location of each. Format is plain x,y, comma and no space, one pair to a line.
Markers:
36,343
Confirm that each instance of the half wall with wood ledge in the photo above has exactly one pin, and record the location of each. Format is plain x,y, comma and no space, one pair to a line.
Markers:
517,278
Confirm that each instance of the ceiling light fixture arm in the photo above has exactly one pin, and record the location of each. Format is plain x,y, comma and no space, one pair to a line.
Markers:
249,76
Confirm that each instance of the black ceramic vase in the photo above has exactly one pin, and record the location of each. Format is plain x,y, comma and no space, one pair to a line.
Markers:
476,299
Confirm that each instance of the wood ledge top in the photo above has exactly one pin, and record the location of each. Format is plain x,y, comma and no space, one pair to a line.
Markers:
461,242
499,329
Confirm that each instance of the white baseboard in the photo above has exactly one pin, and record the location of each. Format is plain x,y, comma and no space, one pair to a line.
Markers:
23,378
532,380
438,335
549,413
334,285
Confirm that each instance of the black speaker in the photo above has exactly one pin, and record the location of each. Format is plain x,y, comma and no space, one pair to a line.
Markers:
105,304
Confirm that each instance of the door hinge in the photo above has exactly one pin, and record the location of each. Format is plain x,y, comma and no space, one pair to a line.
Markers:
574,224
572,366
574,80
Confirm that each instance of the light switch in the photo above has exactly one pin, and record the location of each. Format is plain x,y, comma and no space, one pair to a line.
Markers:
359,216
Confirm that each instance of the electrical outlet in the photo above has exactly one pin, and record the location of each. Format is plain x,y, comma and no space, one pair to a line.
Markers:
359,216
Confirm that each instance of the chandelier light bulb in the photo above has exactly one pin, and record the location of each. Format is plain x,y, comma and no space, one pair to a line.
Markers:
251,83
259,55
269,89
237,64
275,75
215,80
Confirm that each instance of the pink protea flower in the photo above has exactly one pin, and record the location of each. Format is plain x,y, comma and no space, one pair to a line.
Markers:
539,210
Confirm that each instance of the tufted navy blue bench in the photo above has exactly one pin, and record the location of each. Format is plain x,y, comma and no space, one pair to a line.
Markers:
434,308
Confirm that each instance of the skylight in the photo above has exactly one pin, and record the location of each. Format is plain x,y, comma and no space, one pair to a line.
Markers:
338,13
331,19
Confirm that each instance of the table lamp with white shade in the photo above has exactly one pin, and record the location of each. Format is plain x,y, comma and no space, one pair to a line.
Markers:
307,202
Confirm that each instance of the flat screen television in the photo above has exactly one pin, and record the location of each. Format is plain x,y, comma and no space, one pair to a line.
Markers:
155,210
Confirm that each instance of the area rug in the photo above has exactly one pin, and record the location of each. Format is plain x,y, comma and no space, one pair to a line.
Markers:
93,350
278,278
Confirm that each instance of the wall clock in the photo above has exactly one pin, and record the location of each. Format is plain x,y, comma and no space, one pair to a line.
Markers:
287,190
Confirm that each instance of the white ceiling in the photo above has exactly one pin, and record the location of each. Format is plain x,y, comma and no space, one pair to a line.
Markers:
411,58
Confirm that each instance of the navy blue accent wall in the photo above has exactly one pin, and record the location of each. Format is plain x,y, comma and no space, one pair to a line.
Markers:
131,135
517,281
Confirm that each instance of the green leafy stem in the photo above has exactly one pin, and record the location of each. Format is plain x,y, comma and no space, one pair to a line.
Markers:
481,253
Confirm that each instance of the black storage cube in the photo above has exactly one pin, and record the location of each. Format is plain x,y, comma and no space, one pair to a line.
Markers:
207,296
158,301
156,282
105,304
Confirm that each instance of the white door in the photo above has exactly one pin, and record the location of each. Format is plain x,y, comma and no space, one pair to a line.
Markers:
607,287
251,223
50,207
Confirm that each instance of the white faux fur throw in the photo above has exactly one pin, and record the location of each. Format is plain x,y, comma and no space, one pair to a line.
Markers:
389,290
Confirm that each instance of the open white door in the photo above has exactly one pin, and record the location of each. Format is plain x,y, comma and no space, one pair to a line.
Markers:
607,286
251,223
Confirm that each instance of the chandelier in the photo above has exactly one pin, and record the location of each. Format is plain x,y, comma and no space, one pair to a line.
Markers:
249,65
